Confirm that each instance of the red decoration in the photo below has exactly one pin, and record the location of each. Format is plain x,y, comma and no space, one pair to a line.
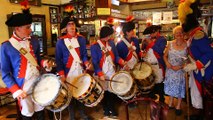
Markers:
182,1
25,4
110,20
69,8
129,18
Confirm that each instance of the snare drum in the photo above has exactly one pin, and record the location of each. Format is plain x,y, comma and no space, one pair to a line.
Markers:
50,92
145,79
124,87
88,91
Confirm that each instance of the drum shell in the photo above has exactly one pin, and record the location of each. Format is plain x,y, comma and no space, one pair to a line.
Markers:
146,84
93,95
129,95
131,89
61,99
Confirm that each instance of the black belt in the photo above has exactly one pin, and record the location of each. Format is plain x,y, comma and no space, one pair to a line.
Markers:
154,63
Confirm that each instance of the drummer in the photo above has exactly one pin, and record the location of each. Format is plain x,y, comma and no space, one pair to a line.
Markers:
128,47
20,58
154,55
71,57
104,56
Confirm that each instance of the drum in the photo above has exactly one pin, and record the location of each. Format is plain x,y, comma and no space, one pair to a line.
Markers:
48,91
145,79
124,87
88,91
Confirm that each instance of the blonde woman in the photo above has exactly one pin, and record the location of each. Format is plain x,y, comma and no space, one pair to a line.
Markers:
174,84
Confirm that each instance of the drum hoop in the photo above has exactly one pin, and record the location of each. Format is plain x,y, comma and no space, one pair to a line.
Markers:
89,89
140,63
89,93
118,73
67,102
98,100
129,97
37,80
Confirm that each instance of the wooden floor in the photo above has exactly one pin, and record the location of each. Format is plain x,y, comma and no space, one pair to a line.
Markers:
141,112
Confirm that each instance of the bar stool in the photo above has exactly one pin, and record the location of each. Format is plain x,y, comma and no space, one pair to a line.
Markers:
156,108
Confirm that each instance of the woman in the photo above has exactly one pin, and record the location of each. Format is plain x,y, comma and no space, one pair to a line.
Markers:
174,84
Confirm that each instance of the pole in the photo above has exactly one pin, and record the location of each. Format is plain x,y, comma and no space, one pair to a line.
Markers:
187,94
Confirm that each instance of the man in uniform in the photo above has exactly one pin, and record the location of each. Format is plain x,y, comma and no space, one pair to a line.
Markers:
200,52
20,56
155,46
128,48
71,58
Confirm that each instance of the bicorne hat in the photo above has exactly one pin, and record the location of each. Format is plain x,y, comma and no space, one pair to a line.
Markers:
70,18
20,19
152,29
129,25
106,31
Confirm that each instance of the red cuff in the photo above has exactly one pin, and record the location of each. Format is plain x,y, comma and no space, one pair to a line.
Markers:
140,54
86,62
121,62
61,72
199,65
14,88
42,63
100,73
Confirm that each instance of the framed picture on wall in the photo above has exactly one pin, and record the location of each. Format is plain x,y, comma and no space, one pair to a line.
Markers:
31,2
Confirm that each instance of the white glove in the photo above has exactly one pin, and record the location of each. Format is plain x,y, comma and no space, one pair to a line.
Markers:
190,67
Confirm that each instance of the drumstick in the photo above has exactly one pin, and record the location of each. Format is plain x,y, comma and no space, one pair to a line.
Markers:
29,93
107,80
141,63
37,91
71,85
113,81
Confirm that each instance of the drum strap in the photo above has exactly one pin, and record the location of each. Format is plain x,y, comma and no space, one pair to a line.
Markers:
105,50
130,46
71,45
23,51
56,116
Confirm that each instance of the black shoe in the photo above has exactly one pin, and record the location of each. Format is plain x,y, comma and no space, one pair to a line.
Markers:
106,113
153,96
196,117
87,118
113,117
178,112
26,118
132,105
171,108
114,114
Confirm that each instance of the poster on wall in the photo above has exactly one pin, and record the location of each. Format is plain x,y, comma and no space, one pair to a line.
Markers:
156,18
167,17
31,2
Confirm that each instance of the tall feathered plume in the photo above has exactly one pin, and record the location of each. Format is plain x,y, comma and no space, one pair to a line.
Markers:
129,18
110,20
69,9
188,14
25,7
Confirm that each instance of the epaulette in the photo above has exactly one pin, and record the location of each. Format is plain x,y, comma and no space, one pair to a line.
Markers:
119,41
80,35
62,37
94,43
198,35
5,41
